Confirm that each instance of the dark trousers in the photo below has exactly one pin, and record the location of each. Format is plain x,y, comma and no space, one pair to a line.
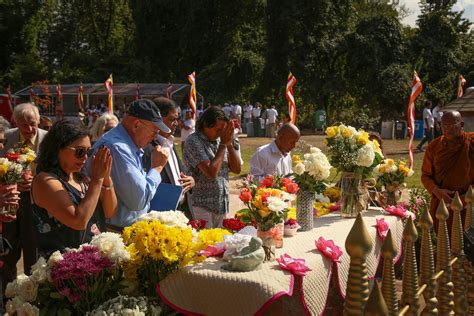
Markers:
21,235
428,138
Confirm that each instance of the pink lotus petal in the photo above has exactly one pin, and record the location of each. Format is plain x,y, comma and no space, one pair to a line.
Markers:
400,212
213,250
382,228
296,266
328,249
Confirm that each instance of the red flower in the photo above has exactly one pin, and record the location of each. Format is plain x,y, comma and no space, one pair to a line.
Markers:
267,181
233,224
292,188
286,181
13,156
265,196
198,223
291,221
245,195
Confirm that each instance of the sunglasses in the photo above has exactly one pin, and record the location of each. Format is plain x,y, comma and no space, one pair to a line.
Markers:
81,152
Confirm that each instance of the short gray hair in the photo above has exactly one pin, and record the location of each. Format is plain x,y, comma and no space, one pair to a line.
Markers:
4,125
20,111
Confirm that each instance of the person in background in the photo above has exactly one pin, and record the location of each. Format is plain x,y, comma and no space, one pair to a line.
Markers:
247,116
208,157
102,125
94,115
227,110
285,119
275,158
173,170
448,164
20,232
237,112
271,116
45,123
428,121
135,188
437,115
69,209
187,127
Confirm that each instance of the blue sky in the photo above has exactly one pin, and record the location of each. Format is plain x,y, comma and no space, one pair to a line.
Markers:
412,5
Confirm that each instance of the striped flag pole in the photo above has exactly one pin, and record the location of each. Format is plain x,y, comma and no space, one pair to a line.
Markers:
192,92
416,88
10,98
137,94
80,98
290,97
109,85
461,83
169,90
59,93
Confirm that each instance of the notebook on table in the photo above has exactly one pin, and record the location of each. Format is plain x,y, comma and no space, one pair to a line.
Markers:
166,198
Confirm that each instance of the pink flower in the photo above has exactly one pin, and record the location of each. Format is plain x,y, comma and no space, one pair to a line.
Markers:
400,212
382,228
328,249
213,250
296,266
336,207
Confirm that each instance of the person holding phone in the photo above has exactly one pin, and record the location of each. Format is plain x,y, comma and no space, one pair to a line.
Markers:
68,207
209,155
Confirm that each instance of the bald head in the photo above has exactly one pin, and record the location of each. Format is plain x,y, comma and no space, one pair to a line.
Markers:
452,125
287,137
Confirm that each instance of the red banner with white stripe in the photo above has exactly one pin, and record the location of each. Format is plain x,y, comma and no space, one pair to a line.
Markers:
59,93
290,97
80,98
461,83
109,85
416,88
192,92
137,94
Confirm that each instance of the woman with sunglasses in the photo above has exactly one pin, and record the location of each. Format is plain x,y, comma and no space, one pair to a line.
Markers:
68,210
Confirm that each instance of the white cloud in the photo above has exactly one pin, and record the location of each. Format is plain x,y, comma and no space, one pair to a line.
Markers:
413,6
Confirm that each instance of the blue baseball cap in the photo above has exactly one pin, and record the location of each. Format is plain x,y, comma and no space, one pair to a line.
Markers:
145,109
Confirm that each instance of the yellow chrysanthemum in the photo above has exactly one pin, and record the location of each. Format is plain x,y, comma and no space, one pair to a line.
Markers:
332,131
296,159
363,138
3,170
292,213
346,132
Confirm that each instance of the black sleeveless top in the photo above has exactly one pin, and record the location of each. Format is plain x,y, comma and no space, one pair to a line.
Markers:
52,235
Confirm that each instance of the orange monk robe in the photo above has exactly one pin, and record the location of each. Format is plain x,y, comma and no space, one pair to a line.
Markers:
448,165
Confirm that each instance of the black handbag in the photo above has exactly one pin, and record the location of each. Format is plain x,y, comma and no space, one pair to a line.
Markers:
469,244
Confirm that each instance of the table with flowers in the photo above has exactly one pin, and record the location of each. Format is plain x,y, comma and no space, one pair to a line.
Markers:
207,289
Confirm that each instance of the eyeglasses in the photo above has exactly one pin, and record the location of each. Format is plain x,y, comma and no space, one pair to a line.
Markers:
81,152
154,131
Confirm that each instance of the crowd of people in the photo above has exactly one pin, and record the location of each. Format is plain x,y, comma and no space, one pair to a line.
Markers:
103,178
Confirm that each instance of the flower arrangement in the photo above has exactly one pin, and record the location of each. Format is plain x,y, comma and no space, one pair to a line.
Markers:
391,175
333,193
351,150
77,281
11,172
291,226
233,224
22,154
311,170
198,224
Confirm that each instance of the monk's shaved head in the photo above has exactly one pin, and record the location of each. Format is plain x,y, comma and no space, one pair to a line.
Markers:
451,117
452,124
287,137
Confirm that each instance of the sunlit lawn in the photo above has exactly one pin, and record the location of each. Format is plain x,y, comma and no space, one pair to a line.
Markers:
395,149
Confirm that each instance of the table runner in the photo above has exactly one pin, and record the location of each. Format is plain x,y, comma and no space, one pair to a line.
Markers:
207,289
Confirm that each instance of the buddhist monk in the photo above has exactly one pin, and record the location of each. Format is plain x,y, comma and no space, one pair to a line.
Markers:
448,165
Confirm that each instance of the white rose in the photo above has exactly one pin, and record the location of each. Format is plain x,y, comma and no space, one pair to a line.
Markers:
299,168
40,271
112,246
365,156
28,290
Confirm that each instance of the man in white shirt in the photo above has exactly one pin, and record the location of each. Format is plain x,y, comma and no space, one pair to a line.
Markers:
428,123
247,116
227,110
275,158
272,116
237,112
437,115
172,172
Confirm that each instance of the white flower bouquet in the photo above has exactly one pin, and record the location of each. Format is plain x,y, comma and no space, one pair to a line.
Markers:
169,218
311,169
128,306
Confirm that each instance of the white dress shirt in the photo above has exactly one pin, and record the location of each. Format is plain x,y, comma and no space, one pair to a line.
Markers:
428,117
269,160
272,115
256,112
248,111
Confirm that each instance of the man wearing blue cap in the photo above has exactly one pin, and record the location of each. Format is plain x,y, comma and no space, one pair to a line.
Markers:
134,187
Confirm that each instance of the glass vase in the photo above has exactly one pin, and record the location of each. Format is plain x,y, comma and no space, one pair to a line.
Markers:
354,194
271,239
304,209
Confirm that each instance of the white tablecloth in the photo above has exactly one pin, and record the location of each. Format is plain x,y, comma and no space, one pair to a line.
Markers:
207,289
